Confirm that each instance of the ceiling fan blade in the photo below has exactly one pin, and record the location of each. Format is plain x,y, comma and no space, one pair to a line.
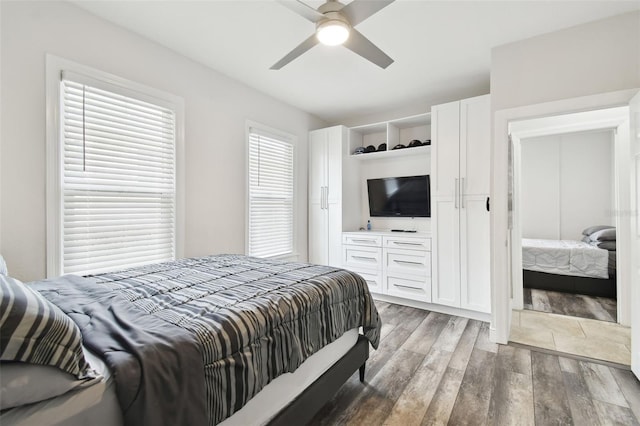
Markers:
302,9
363,47
299,50
359,10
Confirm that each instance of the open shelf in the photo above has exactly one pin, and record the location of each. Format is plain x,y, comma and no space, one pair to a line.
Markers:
392,132
378,155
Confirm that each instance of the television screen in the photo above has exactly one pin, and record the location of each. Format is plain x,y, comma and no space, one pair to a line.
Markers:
399,196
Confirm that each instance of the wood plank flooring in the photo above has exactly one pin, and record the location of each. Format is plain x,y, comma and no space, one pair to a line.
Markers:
437,369
575,305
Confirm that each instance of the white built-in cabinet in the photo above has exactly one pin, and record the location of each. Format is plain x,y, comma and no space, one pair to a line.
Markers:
326,149
394,264
460,185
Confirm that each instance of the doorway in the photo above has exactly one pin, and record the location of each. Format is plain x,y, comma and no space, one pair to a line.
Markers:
507,296
566,192
569,178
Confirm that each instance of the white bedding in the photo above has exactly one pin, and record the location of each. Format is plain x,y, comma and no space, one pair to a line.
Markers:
565,257
98,404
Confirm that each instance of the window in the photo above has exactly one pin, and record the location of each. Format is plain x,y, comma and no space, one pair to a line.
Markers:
270,211
114,197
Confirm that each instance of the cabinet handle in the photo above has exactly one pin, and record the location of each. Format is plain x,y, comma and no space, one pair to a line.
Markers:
365,258
408,262
488,205
406,286
455,200
407,244
364,241
462,193
326,196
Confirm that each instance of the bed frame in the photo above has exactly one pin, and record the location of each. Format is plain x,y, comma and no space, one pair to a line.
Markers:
302,409
571,284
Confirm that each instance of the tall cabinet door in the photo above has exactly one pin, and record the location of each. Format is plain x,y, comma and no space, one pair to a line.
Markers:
318,222
445,160
475,145
335,137
475,254
325,195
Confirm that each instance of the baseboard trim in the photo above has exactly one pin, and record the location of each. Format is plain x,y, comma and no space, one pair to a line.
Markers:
442,309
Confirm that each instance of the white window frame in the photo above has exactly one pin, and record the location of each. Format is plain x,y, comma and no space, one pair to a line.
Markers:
54,158
292,139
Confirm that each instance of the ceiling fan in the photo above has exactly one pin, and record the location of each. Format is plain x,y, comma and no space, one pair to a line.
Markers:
335,24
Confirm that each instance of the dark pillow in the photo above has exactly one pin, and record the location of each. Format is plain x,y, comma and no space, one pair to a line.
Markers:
604,235
586,239
590,230
607,245
36,331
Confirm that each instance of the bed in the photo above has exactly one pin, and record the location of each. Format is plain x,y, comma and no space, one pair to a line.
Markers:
578,267
215,340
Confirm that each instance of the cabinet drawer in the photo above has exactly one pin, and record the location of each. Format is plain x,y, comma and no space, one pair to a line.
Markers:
373,279
409,287
408,243
362,240
368,258
401,262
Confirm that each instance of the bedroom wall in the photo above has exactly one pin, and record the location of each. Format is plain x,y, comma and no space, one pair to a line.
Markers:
216,108
566,184
597,57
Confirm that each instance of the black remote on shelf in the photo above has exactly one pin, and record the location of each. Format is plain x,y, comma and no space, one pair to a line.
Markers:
397,230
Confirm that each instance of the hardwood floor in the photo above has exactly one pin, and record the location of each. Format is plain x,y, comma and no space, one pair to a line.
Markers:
575,305
436,369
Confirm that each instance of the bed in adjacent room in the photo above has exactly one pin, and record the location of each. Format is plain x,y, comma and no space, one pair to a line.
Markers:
583,267
215,340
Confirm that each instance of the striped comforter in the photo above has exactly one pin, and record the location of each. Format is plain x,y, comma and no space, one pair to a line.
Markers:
253,319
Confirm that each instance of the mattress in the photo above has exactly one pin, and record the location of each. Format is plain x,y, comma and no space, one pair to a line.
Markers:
285,388
565,257
86,406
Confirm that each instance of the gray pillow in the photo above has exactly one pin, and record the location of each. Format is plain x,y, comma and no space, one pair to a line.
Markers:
607,245
590,230
36,331
604,235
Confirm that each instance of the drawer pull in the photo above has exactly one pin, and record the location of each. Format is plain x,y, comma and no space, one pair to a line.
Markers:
365,258
408,262
406,286
407,244
364,241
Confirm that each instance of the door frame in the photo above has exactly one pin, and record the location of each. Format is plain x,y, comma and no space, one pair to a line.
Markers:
597,120
501,294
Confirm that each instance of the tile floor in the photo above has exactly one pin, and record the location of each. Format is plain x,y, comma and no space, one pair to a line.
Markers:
578,336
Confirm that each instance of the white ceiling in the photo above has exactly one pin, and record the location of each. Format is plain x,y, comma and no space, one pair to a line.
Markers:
442,49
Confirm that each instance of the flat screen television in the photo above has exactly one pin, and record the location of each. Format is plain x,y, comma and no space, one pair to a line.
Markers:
407,196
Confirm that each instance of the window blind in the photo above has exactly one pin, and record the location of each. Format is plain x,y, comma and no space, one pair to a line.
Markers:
270,195
118,183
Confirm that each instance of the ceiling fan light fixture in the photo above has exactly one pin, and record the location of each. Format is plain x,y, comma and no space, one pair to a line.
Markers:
333,32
